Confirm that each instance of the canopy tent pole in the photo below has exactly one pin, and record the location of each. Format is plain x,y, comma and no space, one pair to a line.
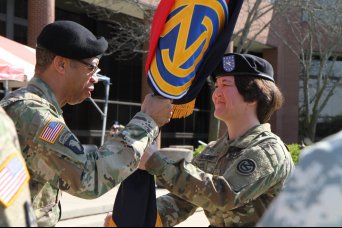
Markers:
106,82
6,87
104,125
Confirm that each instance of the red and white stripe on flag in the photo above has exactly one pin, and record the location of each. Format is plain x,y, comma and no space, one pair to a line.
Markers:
13,177
51,131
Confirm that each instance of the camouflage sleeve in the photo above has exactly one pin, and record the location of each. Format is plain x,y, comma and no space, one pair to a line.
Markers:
15,200
174,210
55,155
313,194
248,177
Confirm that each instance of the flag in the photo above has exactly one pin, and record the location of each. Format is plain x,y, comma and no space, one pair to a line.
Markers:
188,40
13,177
51,132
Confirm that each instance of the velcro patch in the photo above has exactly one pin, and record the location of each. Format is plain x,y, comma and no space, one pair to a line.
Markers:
246,166
13,177
51,131
69,140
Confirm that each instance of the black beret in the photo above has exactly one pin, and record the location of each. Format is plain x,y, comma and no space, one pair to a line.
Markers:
244,65
71,40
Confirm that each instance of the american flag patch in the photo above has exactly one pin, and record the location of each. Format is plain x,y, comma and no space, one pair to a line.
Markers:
51,132
13,177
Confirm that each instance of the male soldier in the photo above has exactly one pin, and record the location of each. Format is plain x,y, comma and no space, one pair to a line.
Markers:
15,199
313,195
67,62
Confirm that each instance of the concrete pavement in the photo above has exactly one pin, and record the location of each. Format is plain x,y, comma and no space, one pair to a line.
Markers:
78,212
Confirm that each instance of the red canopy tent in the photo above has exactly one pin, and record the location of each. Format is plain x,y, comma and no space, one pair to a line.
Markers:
17,63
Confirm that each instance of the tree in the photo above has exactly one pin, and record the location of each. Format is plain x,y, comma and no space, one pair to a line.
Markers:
314,35
128,20
254,23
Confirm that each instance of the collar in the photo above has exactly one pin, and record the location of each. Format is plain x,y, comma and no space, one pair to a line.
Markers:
46,92
245,140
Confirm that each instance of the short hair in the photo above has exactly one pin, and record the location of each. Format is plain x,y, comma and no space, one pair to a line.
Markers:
44,58
265,92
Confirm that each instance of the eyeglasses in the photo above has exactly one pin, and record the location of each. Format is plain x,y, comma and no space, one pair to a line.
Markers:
93,68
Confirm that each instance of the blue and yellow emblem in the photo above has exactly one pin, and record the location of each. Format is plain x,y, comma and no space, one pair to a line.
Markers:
189,32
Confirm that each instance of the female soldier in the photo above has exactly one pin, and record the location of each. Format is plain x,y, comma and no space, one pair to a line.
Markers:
235,178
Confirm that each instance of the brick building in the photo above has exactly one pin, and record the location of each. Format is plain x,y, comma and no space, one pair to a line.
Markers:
22,20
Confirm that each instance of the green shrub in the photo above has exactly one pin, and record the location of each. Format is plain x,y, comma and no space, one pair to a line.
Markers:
295,152
198,150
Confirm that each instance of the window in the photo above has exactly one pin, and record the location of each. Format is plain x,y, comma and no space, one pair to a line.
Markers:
20,9
13,19
333,107
323,11
2,28
3,6
20,34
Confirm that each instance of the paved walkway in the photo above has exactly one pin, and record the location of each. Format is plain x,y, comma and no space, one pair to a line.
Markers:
78,212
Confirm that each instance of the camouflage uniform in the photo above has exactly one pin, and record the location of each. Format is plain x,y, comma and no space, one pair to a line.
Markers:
233,181
313,195
15,200
56,159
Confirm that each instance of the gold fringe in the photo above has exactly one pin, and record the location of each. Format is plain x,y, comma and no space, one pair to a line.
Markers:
110,222
183,110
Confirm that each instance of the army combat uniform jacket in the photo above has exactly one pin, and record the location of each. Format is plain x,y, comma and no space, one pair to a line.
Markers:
55,157
15,199
313,194
233,181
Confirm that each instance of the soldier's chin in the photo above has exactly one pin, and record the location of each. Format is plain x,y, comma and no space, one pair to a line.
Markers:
75,102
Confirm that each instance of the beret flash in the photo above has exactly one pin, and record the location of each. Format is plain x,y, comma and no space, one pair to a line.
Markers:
244,65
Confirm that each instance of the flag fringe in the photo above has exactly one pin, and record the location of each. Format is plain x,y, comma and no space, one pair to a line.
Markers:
183,110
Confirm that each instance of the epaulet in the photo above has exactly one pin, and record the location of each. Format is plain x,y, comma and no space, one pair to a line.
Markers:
25,95
263,137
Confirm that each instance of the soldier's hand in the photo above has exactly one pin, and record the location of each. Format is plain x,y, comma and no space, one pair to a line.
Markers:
159,108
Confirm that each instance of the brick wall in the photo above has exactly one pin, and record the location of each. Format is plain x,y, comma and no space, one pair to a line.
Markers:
40,13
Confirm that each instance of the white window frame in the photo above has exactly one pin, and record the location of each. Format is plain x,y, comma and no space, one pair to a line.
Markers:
11,20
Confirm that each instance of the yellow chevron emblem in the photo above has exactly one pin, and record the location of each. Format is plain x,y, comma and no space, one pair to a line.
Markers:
183,19
191,28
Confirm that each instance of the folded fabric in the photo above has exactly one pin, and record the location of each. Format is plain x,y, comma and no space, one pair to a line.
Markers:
135,203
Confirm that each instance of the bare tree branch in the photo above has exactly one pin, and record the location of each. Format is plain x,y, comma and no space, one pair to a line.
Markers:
127,36
315,33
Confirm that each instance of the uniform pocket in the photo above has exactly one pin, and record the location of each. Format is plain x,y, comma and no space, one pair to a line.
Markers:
206,162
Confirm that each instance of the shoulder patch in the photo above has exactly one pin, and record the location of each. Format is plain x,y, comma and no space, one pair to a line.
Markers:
246,166
70,141
51,131
13,177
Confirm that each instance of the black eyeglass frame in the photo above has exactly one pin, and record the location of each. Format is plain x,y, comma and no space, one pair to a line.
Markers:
93,68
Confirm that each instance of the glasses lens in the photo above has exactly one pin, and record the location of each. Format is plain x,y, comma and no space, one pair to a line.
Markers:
93,68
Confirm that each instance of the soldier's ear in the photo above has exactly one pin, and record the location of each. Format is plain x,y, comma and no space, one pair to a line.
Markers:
59,64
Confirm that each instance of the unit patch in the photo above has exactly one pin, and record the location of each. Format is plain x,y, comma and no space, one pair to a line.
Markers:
69,140
246,166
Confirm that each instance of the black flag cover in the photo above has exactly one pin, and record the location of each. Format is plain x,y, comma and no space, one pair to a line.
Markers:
135,204
188,40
